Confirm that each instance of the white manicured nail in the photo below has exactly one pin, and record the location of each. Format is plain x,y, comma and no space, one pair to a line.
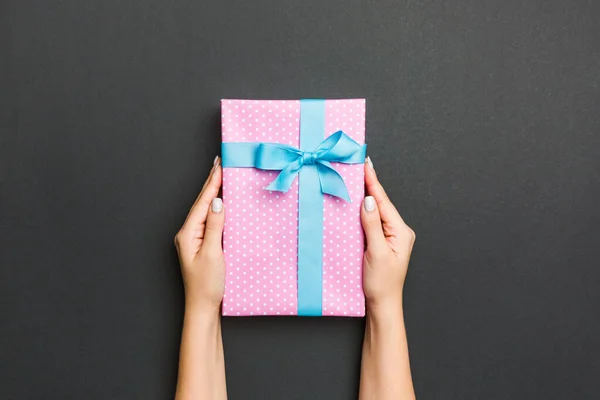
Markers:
217,205
216,161
370,163
369,203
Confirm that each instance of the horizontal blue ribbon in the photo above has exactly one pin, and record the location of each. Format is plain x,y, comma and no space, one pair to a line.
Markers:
312,162
338,147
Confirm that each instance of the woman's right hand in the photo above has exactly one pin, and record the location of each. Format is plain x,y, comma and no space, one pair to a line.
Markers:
385,366
389,245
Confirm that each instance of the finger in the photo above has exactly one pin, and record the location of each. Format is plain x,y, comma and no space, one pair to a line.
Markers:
216,162
199,211
213,232
371,222
388,212
188,243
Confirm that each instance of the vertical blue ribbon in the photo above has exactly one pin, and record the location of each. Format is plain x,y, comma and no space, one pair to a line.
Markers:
310,213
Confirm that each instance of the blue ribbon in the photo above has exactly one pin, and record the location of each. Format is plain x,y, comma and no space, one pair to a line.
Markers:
312,162
338,147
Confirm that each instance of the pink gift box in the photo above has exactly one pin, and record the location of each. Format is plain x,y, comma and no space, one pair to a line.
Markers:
260,240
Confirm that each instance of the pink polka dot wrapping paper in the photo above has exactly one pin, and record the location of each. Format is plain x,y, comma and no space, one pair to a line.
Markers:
260,240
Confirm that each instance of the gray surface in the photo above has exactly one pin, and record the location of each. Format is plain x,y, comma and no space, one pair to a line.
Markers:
483,122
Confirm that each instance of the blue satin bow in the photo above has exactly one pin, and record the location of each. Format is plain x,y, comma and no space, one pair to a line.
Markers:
338,147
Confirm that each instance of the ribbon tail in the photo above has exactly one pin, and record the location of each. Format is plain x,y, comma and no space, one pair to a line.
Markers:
331,181
286,177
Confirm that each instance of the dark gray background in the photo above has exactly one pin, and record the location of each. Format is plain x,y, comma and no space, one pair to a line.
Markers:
483,123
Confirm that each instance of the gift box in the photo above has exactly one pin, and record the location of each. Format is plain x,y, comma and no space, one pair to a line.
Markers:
293,185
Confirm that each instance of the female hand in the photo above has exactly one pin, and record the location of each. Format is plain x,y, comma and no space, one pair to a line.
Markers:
389,245
199,246
385,367
201,360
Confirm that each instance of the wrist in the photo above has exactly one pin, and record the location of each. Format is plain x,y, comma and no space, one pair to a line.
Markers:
202,308
390,309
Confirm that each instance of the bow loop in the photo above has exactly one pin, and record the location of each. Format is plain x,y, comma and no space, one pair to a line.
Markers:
338,147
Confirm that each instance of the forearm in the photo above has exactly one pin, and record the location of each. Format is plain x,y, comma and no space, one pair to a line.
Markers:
385,369
201,360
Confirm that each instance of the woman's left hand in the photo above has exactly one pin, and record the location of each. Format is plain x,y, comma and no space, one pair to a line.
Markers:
199,246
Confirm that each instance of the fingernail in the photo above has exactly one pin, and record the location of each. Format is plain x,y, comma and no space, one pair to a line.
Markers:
217,205
369,203
370,163
216,161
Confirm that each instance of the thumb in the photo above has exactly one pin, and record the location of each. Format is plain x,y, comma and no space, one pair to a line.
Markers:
215,221
371,222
